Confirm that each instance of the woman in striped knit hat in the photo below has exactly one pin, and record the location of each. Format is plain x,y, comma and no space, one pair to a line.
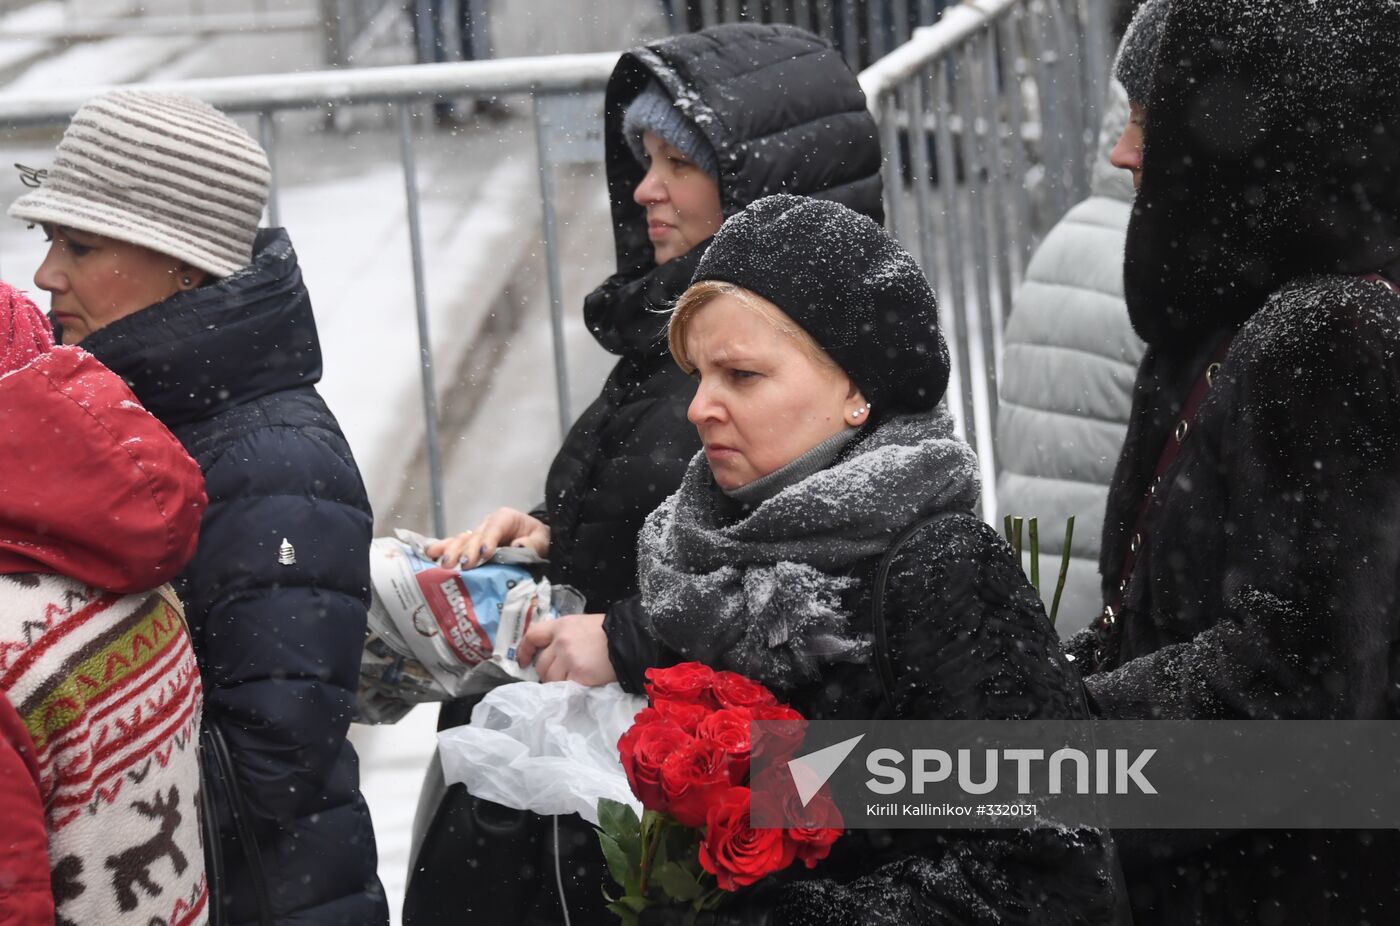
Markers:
158,268
99,692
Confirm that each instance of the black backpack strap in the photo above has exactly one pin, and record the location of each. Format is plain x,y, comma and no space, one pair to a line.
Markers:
877,602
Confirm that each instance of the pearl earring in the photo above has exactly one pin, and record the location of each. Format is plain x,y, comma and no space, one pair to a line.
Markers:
862,410
187,281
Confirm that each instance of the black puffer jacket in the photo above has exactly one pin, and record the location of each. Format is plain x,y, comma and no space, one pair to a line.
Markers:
230,368
783,113
1269,571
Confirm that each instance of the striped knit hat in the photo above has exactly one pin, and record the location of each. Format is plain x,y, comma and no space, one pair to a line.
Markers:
170,173
652,111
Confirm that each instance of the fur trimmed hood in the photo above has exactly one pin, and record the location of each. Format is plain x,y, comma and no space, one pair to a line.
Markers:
1273,151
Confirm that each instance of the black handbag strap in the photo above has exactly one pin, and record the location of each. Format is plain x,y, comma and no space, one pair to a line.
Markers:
213,849
214,748
877,602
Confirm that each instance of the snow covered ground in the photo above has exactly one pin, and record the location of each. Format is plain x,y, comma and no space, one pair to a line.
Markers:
342,200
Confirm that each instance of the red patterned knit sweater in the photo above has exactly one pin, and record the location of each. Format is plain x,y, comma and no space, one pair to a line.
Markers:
108,692
99,692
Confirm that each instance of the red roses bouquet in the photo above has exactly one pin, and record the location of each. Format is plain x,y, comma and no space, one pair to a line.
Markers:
687,758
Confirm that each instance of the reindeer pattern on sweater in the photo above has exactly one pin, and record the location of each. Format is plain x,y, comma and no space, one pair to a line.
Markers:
109,691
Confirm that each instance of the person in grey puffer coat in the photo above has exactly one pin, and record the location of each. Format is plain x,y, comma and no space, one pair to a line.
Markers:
1067,378
1071,357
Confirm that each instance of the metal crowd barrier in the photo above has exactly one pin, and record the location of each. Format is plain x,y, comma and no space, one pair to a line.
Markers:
971,110
988,122
864,30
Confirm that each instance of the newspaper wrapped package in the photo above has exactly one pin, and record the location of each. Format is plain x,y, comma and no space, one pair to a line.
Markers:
551,749
437,633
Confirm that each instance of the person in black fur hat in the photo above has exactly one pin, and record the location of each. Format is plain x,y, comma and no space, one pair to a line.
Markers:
1250,561
814,340
1137,55
845,282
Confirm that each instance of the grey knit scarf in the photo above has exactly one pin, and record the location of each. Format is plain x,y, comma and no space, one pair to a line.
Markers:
761,594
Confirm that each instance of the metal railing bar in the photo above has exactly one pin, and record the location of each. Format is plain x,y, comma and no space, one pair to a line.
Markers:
929,43
999,271
1009,29
420,302
707,13
826,22
964,90
849,43
874,33
921,180
994,290
1098,52
95,30
551,250
803,11
901,21
317,89
267,137
934,268
1047,93
889,132
1071,93
954,288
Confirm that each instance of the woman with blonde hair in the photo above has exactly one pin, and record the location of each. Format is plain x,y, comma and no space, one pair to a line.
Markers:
824,543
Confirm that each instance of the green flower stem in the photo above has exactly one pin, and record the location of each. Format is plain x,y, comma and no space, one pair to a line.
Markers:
711,899
651,839
1064,571
1035,554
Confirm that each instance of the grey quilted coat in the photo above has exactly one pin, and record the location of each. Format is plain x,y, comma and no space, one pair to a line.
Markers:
1067,379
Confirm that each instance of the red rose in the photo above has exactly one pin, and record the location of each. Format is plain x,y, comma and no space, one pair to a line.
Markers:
733,690
779,733
643,749
811,829
684,714
689,681
729,728
736,853
691,778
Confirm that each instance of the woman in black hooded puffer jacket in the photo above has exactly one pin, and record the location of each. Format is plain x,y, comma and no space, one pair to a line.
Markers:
1265,241
777,110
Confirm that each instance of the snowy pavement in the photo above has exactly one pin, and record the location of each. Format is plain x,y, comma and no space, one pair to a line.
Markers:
342,201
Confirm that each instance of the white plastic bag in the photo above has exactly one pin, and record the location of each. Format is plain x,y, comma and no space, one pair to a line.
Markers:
550,748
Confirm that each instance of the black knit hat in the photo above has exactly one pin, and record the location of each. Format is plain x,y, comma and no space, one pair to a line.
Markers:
846,283
1137,53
